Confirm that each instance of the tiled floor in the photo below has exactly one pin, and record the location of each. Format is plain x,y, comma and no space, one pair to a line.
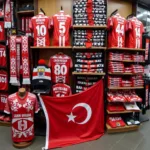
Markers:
139,140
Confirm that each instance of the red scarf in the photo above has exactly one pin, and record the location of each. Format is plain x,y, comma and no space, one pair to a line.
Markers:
15,60
7,16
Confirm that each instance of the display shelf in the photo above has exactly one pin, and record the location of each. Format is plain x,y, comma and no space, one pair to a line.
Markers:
127,61
88,73
125,88
26,12
7,124
126,49
89,27
83,47
122,129
125,73
122,112
51,47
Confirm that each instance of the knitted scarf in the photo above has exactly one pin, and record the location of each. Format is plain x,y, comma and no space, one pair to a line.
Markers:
15,60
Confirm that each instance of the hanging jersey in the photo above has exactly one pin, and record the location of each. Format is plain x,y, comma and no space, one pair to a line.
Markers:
60,65
40,25
61,24
3,80
22,111
117,27
3,61
61,90
3,101
2,31
135,31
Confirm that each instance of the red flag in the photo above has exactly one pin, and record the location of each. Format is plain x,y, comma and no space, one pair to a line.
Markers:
74,119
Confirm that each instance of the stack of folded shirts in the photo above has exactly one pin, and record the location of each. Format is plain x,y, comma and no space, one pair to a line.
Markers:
137,69
116,67
138,58
113,107
115,121
115,56
137,81
131,121
128,69
126,83
131,106
115,96
127,57
131,96
114,81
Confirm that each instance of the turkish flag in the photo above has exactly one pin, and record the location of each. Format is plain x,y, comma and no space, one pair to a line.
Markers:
74,119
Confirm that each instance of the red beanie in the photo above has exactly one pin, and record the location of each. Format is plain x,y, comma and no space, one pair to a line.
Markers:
41,62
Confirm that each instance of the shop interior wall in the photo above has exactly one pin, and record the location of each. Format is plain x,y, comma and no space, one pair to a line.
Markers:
52,7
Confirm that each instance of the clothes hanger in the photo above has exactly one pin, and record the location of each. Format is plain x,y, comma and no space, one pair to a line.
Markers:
42,12
131,15
61,9
114,13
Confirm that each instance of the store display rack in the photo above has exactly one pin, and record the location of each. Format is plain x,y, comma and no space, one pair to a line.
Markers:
88,73
6,124
126,128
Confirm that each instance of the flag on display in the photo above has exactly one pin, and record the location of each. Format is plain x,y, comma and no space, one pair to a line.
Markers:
74,119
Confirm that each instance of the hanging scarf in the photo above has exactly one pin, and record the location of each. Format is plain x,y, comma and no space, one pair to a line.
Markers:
7,14
15,61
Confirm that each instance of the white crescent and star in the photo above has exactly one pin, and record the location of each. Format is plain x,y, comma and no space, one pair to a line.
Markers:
72,117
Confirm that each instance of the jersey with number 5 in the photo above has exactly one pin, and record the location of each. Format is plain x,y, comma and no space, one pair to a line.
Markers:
135,31
60,66
2,31
117,28
40,25
61,24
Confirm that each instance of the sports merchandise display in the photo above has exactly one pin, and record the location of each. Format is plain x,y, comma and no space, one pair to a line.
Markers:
116,31
19,60
60,65
40,25
131,106
135,30
2,31
3,101
3,80
61,24
115,107
22,110
61,90
3,59
7,14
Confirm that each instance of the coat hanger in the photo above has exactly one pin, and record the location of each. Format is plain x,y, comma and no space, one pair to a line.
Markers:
114,13
42,11
61,9
131,15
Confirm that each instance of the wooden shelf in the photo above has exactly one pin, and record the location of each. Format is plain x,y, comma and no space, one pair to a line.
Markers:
127,61
26,12
126,49
51,47
122,129
88,73
7,124
124,88
82,47
122,112
89,27
125,73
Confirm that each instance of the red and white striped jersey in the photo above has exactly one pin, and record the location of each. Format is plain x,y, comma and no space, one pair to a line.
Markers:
62,24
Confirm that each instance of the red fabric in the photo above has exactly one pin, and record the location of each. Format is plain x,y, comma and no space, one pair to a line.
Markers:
135,31
3,80
41,62
3,60
116,34
60,65
62,24
61,90
89,9
113,107
2,31
40,26
22,111
3,101
61,131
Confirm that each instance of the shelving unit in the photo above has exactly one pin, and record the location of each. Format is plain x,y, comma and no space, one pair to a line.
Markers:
51,47
92,48
89,27
88,73
26,12
129,50
6,124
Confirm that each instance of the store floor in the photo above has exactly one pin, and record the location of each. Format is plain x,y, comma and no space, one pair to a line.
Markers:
139,140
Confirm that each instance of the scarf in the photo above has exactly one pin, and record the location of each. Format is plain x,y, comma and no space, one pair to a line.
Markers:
15,60
7,16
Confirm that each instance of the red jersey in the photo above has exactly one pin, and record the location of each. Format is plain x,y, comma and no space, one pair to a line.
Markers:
22,111
61,90
60,65
40,25
117,28
62,24
3,61
135,31
3,101
2,31
3,80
